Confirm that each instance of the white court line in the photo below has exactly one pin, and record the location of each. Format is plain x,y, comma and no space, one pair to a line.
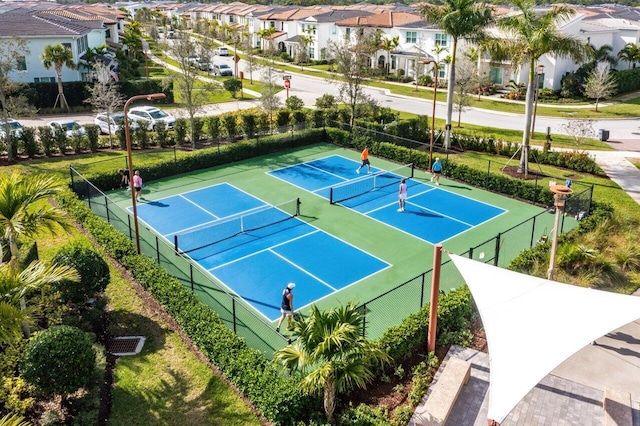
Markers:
323,171
198,206
443,215
303,270
193,190
389,204
265,249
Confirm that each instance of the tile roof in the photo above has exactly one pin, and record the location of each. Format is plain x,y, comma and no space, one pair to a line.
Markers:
385,19
336,15
24,23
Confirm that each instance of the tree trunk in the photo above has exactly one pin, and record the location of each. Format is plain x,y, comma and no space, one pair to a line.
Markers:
63,101
329,397
523,167
450,94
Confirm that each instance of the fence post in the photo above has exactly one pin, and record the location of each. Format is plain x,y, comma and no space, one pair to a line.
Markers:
71,173
588,212
88,193
129,227
422,290
471,253
191,276
535,190
497,253
364,320
233,306
533,232
157,250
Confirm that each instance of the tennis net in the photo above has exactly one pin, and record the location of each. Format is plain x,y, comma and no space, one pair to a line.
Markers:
229,227
365,184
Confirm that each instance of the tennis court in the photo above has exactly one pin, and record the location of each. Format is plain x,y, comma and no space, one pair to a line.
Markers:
255,248
432,214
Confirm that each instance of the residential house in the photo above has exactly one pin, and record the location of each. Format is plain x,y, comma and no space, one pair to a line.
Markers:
75,28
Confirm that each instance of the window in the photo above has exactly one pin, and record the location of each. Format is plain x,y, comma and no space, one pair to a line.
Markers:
441,71
67,45
272,24
44,80
22,63
441,39
495,75
347,31
393,62
411,37
312,53
540,81
334,30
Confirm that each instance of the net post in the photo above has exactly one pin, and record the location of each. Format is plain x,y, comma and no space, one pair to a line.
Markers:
471,253
497,253
331,195
298,202
175,244
413,166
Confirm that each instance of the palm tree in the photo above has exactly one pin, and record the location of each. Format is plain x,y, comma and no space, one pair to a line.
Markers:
460,19
331,354
603,54
22,212
528,35
58,56
388,44
630,53
14,287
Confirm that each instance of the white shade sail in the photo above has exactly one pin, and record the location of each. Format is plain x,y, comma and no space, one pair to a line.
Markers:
533,324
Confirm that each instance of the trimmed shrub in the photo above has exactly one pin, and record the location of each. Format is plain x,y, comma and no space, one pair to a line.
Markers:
29,142
47,139
93,137
58,361
213,127
230,123
92,268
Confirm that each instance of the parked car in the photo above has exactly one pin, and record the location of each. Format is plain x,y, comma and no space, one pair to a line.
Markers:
15,128
193,60
70,127
115,120
171,34
222,69
222,51
204,65
151,116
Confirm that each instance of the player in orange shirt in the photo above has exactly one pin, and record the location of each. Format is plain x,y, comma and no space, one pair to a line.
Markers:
365,160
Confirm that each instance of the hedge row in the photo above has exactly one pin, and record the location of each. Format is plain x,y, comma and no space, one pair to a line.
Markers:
275,395
43,95
209,158
627,80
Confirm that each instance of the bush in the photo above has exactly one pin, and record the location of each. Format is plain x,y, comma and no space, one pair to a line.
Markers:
213,127
60,137
141,136
230,123
249,125
92,268
294,103
29,142
58,361
181,131
326,101
47,139
93,136
283,118
233,86
162,134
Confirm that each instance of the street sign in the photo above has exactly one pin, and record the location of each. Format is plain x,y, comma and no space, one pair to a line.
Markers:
287,84
236,59
286,77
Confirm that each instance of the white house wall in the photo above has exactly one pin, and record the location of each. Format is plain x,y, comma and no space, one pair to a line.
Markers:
35,69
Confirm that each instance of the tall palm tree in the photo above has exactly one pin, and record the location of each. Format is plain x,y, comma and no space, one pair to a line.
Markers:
331,354
14,287
603,54
630,53
388,44
460,19
527,35
22,212
58,56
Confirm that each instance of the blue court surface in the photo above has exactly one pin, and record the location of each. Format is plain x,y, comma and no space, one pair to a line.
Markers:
431,213
255,249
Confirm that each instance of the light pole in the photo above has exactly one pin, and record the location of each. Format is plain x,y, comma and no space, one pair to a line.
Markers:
539,72
436,71
560,196
127,138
